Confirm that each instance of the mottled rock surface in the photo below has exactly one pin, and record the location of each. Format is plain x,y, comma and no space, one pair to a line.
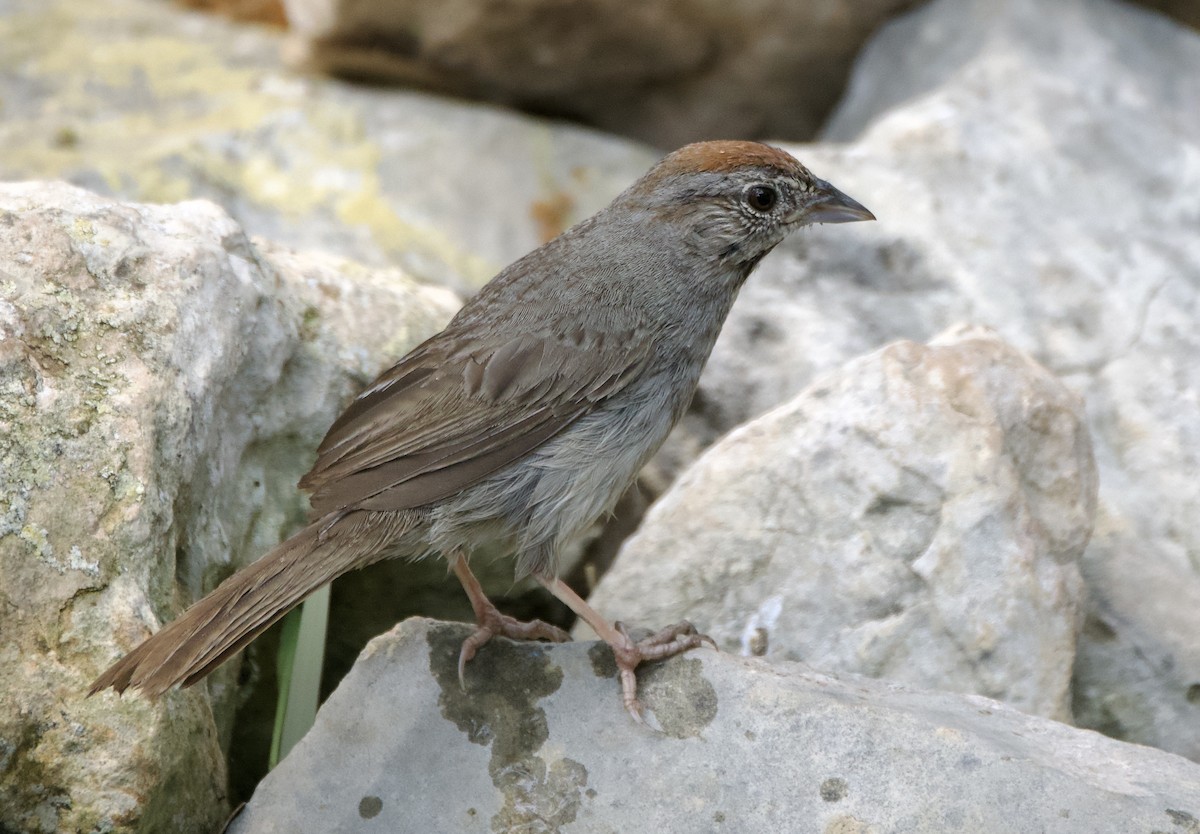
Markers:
540,743
166,105
163,383
916,515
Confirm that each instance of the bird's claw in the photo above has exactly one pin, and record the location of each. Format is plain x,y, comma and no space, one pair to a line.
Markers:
668,642
493,624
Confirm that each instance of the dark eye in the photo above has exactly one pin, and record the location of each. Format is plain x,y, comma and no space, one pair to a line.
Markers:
761,197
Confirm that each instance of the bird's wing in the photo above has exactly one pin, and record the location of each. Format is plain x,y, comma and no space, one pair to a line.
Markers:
448,414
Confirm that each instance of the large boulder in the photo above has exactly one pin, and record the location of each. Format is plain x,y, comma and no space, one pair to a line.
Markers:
665,71
163,382
539,743
918,515
1033,169
169,106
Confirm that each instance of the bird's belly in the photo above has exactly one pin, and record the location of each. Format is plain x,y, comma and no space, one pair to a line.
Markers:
541,503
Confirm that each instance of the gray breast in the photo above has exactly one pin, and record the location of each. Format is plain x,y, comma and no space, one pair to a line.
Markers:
545,500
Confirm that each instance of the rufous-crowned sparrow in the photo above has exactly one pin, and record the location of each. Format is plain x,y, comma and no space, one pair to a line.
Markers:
526,418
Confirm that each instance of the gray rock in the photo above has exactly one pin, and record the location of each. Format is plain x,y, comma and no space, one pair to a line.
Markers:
1033,169
1185,11
163,383
170,106
1137,667
665,71
916,515
540,743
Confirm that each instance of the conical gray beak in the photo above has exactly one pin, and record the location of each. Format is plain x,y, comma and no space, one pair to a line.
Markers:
832,206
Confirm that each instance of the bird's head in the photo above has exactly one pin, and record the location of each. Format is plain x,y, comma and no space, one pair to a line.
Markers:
734,201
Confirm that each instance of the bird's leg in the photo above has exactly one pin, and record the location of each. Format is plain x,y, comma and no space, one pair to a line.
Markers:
668,642
489,621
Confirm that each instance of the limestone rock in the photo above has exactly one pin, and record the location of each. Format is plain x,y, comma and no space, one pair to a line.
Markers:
169,106
663,71
163,383
540,743
917,515
1032,166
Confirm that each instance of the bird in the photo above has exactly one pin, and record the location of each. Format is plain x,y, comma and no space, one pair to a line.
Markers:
524,420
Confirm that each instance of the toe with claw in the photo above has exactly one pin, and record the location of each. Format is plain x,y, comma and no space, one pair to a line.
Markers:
629,653
492,624
670,641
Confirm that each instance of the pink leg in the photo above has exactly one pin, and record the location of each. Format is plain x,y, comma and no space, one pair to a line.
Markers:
490,622
668,642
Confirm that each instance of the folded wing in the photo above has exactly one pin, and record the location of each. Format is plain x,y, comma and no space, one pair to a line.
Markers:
457,409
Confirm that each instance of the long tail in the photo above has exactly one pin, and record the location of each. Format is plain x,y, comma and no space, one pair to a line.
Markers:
250,601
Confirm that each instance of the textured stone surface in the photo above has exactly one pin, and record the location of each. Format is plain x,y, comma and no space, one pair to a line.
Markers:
169,106
163,383
540,743
665,71
1034,168
916,515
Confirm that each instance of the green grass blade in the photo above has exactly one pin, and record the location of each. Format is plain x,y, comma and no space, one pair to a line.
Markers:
301,654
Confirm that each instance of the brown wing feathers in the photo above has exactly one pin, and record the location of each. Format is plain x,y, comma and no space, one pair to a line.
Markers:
396,449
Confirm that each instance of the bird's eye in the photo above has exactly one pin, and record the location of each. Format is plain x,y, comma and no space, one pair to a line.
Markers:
761,197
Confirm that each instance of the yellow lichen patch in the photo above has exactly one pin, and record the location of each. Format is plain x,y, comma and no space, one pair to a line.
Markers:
164,118
369,207
83,229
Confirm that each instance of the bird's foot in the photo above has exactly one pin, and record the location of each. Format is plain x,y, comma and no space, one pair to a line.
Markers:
670,641
491,623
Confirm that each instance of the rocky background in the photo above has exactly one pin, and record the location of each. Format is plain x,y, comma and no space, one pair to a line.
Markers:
956,450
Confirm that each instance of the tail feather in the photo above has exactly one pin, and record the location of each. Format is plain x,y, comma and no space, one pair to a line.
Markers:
250,601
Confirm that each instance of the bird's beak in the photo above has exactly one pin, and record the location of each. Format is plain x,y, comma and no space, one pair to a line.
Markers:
832,206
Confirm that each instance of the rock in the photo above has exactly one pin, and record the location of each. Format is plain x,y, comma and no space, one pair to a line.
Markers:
1136,671
667,73
917,515
163,382
1185,11
171,106
1033,169
540,743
